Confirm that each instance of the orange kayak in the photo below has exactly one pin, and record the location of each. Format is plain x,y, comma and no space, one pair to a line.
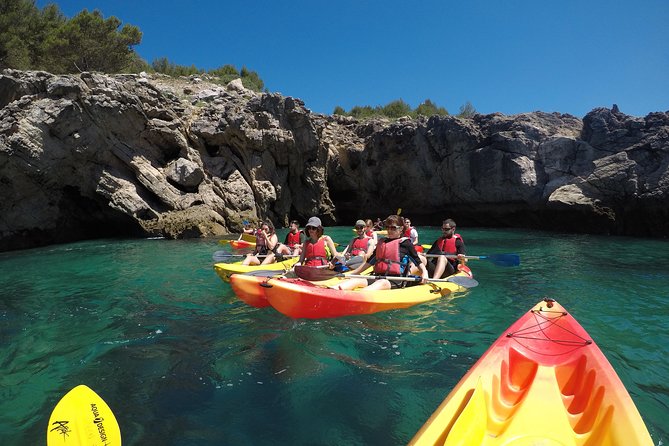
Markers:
543,382
299,298
251,289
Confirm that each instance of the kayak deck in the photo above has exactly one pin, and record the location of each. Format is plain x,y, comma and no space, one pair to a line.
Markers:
543,382
251,289
225,270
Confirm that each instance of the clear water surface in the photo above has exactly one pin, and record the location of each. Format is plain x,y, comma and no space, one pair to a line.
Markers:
150,327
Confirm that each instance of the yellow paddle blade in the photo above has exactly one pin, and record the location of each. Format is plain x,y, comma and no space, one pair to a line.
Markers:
82,418
399,211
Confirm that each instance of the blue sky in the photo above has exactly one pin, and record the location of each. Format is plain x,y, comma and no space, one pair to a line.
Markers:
509,56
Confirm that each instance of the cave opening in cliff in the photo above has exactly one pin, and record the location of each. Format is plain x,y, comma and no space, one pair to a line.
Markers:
87,218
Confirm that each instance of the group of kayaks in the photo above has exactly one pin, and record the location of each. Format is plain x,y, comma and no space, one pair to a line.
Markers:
543,382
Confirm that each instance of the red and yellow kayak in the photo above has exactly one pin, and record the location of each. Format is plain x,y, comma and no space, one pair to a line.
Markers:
251,289
299,298
225,270
242,244
543,382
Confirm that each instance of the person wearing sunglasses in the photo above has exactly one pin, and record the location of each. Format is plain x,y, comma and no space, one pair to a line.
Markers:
266,243
394,255
448,243
360,247
410,232
317,249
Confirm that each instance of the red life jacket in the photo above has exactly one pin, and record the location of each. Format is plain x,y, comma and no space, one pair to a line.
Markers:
447,245
369,233
407,233
315,253
359,246
293,239
388,257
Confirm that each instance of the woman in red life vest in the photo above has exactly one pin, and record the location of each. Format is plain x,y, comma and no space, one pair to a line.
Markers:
410,232
292,245
360,248
394,256
448,243
266,243
317,249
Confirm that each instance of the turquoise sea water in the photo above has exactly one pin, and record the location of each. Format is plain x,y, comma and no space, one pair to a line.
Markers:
150,327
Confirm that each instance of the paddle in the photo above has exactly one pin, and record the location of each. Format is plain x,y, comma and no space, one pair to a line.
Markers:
81,418
496,259
316,274
222,255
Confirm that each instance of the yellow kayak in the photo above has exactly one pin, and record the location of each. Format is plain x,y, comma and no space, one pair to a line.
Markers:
225,270
543,382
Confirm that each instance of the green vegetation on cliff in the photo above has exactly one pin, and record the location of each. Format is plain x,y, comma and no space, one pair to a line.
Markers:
398,108
44,39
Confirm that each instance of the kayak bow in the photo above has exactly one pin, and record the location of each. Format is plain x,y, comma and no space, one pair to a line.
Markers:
543,382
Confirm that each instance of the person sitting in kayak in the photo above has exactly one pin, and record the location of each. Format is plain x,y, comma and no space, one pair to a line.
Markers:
292,244
266,243
378,224
448,243
410,232
317,249
394,256
248,229
369,231
360,248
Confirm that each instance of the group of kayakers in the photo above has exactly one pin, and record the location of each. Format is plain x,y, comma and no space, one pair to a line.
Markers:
396,254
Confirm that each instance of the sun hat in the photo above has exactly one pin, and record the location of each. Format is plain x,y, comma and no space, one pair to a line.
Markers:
315,222
360,223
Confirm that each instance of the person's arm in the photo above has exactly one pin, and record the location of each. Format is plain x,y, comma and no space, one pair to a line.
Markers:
303,251
348,247
360,268
333,249
371,246
272,241
415,258
460,250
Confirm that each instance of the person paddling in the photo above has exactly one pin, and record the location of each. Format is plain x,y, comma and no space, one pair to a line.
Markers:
448,243
394,256
248,229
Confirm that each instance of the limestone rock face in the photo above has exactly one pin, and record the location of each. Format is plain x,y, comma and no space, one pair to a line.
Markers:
94,155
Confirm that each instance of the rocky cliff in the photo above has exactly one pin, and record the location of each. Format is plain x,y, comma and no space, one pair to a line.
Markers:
93,155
